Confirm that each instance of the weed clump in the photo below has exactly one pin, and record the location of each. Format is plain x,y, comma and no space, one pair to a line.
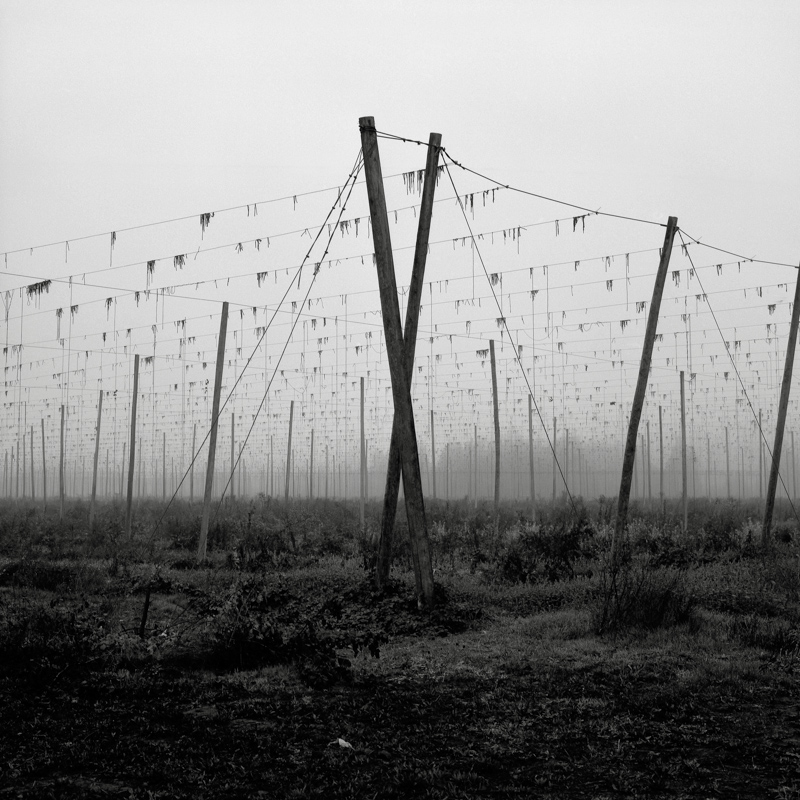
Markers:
546,550
639,595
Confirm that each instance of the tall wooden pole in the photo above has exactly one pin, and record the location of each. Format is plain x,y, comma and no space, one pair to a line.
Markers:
233,457
96,456
433,455
649,473
727,463
496,407
782,406
760,459
311,469
393,469
33,479
660,457
641,387
530,454
447,471
399,360
44,470
191,468
555,457
132,453
475,460
684,476
363,462
122,468
61,475
163,466
212,439
289,452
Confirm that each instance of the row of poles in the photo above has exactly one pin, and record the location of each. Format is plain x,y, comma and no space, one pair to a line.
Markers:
404,456
457,469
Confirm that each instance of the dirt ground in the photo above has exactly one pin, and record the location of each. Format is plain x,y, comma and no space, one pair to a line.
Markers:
510,707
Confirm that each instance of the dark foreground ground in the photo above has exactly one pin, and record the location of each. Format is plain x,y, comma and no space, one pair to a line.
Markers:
503,695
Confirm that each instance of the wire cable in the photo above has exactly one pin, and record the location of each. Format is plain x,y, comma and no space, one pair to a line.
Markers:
514,347
353,174
744,390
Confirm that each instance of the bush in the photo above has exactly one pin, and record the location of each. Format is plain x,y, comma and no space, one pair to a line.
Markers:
764,633
638,594
52,577
256,623
49,639
547,550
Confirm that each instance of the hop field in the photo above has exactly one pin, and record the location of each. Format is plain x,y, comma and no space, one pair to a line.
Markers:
277,669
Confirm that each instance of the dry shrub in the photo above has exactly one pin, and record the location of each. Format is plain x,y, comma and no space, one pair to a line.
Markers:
637,594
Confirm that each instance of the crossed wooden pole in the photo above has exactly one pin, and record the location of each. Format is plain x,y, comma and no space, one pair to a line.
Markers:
403,449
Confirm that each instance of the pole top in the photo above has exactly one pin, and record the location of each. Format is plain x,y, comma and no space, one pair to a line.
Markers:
366,122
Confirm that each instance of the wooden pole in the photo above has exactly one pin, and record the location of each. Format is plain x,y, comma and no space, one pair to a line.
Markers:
530,454
163,466
122,468
128,532
684,476
96,456
727,463
289,452
44,471
61,475
393,469
311,469
33,479
363,463
475,459
433,455
641,387
496,406
649,472
660,458
191,468
399,360
212,439
447,471
760,459
783,404
233,457
555,457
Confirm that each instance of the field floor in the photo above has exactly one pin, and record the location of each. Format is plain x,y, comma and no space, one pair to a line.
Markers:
502,692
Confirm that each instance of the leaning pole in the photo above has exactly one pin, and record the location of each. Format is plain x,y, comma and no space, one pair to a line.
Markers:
401,395
641,386
783,404
393,470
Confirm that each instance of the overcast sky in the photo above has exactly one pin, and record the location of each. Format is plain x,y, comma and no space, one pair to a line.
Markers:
118,114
